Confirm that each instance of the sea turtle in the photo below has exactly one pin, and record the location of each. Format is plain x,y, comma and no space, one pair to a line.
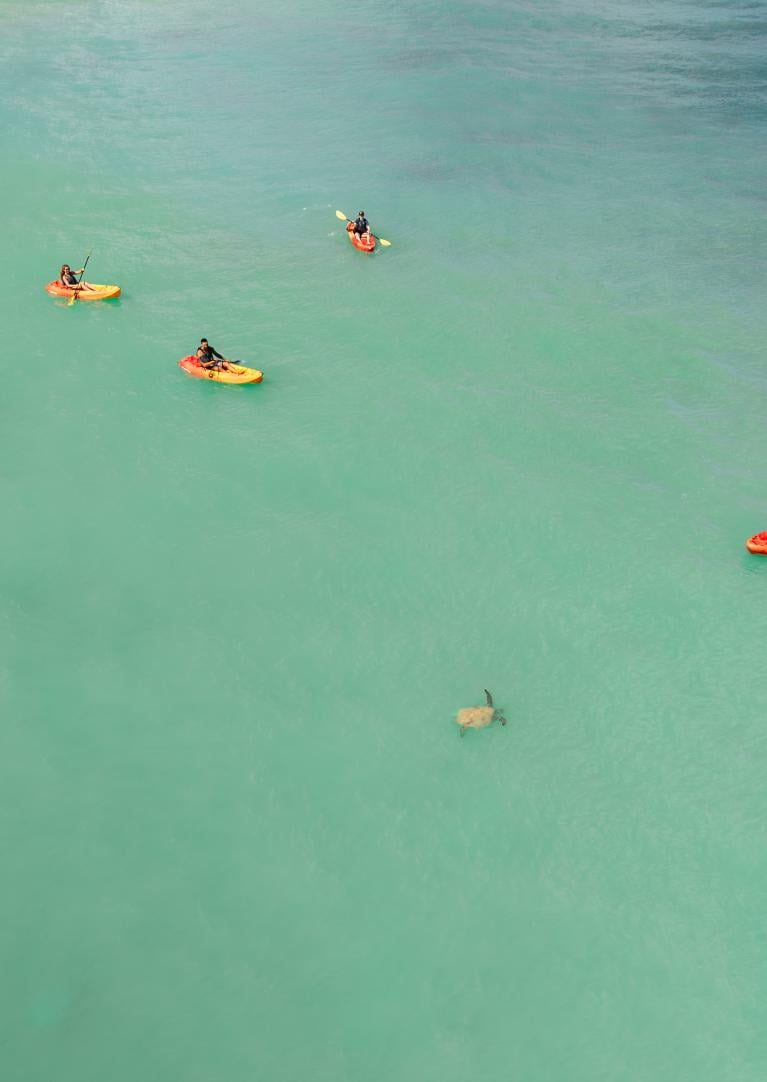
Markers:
479,717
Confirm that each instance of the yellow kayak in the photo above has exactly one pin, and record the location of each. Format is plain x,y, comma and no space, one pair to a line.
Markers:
233,373
96,292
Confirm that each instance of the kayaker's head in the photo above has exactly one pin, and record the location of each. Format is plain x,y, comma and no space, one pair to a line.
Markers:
361,214
64,270
203,341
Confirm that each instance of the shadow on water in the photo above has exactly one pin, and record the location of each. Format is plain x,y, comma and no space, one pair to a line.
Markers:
110,302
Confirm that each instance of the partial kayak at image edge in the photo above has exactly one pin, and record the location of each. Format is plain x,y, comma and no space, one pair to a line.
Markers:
758,543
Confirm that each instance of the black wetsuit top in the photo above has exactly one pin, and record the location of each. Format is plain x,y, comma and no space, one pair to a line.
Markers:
208,355
361,226
70,279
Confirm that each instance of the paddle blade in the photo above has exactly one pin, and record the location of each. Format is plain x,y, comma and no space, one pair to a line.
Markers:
384,243
72,300
340,214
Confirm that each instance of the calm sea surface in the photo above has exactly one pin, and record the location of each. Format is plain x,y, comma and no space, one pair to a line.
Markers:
520,449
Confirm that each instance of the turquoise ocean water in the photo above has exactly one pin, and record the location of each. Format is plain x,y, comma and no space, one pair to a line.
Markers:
520,449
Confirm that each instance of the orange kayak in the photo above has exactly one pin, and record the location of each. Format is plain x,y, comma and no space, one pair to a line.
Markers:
758,543
365,243
233,373
96,292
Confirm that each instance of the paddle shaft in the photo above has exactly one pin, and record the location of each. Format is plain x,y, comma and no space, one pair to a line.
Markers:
85,264
78,287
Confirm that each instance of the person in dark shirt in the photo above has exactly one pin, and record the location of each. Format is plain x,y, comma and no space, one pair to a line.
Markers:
69,278
210,357
361,226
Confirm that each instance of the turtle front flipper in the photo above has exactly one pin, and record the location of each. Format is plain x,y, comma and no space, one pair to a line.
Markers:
489,697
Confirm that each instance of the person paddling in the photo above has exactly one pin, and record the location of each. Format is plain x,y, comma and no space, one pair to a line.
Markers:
361,226
210,357
69,279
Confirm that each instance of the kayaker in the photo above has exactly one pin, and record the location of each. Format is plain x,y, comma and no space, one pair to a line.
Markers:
69,279
210,357
361,226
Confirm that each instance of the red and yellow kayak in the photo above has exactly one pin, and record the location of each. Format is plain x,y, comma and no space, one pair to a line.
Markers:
758,543
96,292
233,373
365,243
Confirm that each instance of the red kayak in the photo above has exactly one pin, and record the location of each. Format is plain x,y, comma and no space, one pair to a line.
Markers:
758,543
365,243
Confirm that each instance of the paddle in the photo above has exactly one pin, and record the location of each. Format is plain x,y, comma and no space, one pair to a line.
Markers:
384,243
79,287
